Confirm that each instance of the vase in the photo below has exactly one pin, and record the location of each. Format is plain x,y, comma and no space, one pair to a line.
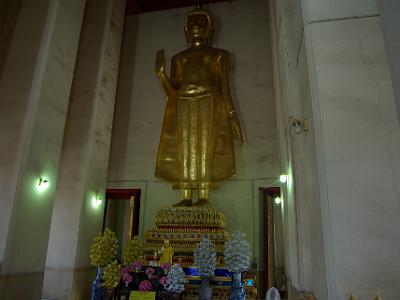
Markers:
205,292
98,291
237,291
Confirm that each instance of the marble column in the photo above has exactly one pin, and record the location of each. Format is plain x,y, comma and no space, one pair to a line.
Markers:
34,92
84,161
389,13
346,167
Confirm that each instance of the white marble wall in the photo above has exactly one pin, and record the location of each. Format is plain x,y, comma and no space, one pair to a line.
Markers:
34,91
84,161
241,28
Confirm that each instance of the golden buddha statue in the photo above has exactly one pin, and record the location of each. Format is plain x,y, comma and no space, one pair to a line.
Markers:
196,147
167,252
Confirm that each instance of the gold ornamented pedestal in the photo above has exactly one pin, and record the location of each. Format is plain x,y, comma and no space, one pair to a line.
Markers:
184,227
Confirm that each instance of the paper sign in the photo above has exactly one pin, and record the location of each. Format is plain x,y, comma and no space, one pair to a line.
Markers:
138,295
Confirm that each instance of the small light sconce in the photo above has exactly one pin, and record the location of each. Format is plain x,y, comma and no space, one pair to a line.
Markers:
283,178
299,125
278,200
96,202
43,184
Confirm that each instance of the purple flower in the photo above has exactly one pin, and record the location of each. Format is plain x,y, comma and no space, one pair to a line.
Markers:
126,269
127,278
145,285
137,264
166,267
150,271
163,280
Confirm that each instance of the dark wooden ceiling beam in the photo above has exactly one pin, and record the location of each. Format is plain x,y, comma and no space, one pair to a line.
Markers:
141,6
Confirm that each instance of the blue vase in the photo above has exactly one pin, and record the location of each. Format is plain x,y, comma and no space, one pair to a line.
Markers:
205,292
98,291
237,291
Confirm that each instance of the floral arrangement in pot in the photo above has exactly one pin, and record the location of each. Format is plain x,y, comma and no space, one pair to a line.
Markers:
175,280
145,278
102,254
205,260
133,251
237,254
164,280
104,248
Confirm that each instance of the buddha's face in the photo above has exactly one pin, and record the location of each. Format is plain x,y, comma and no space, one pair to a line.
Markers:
197,30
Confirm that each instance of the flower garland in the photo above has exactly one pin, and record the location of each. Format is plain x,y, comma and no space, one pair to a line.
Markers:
133,251
205,258
237,253
175,279
104,248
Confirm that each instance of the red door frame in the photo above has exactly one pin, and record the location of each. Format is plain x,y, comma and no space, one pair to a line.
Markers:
125,194
269,193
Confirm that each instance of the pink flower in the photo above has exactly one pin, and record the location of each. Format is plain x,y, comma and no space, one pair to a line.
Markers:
137,264
145,285
126,269
166,267
150,271
127,278
163,280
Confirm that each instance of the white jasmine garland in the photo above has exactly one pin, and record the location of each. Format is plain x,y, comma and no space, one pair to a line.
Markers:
237,253
175,279
205,258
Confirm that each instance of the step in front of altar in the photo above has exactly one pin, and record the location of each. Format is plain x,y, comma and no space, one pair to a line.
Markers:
221,284
219,292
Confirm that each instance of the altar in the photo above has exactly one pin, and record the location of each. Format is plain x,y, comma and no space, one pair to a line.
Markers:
184,228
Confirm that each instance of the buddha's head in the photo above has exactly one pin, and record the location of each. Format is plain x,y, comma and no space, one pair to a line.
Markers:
166,243
199,27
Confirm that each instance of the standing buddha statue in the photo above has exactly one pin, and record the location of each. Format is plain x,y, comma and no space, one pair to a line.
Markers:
196,147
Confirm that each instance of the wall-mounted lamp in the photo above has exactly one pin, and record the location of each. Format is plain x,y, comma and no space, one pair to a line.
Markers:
278,200
283,178
43,184
299,125
96,202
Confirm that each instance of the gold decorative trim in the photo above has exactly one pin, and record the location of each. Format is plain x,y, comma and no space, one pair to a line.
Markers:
191,216
185,227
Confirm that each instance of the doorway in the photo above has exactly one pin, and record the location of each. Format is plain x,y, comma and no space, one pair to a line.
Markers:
121,215
273,239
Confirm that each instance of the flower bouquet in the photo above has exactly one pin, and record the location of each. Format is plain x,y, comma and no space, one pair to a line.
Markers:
237,257
163,280
102,254
205,260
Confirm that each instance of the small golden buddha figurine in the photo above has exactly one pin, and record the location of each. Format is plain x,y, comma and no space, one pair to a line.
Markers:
167,252
196,147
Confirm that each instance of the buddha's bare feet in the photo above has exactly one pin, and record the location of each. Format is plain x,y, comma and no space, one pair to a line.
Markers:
202,202
183,203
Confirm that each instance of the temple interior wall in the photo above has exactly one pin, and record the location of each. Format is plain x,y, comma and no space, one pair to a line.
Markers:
330,61
243,29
